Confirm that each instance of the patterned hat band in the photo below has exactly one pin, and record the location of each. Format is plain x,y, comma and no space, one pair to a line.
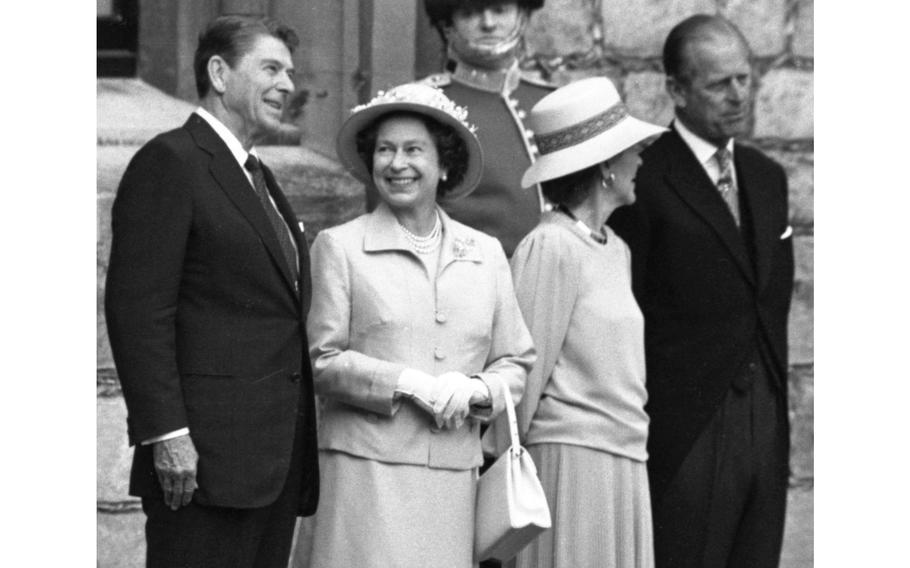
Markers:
585,130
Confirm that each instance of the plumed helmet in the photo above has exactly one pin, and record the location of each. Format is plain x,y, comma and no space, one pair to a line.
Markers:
440,11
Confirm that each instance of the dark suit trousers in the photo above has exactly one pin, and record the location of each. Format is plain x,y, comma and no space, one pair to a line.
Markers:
197,536
725,508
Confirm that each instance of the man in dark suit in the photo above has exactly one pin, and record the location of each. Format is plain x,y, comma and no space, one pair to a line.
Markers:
207,293
712,260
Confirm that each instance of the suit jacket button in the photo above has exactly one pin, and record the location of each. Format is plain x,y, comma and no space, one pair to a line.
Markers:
441,317
295,377
438,353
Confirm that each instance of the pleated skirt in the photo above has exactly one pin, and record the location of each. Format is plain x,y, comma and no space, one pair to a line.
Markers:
600,507
375,514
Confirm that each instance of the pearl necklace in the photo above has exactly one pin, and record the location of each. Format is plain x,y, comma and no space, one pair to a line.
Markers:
427,244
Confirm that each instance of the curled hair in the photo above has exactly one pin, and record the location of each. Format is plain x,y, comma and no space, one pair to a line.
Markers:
451,149
694,28
570,189
232,37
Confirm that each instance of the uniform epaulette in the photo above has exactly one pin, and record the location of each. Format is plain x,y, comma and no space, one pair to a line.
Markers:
437,80
535,80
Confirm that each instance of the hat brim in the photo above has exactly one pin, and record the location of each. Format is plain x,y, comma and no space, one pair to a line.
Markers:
621,137
346,143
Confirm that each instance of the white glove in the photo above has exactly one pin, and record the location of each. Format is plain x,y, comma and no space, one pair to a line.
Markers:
447,398
425,390
465,391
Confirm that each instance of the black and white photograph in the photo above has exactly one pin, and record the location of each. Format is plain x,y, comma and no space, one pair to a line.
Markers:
463,283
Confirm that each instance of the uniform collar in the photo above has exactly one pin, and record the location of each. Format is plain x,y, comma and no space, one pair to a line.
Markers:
495,81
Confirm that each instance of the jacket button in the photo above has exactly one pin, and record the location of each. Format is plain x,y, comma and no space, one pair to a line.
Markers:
438,353
295,377
441,317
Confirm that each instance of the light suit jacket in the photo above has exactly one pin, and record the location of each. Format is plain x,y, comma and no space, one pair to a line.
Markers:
376,311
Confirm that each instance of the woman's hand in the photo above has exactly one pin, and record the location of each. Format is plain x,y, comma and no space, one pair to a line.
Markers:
465,392
448,397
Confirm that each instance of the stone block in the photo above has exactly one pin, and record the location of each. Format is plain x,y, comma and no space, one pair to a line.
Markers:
562,27
802,424
114,456
131,111
800,168
801,325
639,28
763,22
804,258
103,251
111,162
799,537
563,76
804,29
647,98
121,539
784,105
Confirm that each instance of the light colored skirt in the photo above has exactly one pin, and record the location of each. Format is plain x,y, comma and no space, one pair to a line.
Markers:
386,515
600,506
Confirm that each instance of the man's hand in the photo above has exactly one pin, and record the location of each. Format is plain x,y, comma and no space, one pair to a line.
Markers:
175,463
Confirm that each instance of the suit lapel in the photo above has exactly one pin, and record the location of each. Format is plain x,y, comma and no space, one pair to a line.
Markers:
690,181
230,177
764,231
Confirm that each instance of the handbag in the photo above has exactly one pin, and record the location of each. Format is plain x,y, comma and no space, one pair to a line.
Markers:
511,508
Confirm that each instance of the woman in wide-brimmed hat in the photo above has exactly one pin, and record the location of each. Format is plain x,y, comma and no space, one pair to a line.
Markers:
416,339
582,416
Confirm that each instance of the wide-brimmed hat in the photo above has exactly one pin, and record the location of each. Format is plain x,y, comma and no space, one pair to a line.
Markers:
421,99
580,125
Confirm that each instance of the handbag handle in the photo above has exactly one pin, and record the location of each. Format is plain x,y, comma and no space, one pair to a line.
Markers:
515,448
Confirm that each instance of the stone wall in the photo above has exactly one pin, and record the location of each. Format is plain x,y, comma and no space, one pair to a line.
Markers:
572,39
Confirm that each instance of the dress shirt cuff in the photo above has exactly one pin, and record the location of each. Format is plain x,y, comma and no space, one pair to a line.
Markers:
163,437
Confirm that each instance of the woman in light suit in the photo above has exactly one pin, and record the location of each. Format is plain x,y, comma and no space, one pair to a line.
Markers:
416,339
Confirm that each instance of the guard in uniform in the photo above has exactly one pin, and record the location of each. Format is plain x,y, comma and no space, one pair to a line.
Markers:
483,39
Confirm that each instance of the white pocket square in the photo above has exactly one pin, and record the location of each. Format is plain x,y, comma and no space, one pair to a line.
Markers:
300,224
787,233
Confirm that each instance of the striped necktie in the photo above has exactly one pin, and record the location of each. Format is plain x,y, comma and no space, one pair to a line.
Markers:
726,184
278,225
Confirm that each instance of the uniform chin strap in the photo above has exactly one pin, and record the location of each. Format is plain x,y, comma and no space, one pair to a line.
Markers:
485,55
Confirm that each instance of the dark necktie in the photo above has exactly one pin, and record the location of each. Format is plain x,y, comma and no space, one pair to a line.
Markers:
280,227
726,185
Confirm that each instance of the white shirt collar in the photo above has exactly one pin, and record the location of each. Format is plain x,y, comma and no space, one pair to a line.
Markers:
225,134
702,149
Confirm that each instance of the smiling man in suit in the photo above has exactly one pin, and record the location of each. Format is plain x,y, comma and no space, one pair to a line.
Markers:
712,258
207,293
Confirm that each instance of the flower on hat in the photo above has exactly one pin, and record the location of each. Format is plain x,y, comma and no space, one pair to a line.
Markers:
421,94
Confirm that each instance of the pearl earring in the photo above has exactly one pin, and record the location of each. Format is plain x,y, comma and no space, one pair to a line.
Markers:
607,182
444,176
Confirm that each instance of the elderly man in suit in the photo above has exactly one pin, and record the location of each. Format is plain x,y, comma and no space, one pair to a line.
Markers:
207,294
712,259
